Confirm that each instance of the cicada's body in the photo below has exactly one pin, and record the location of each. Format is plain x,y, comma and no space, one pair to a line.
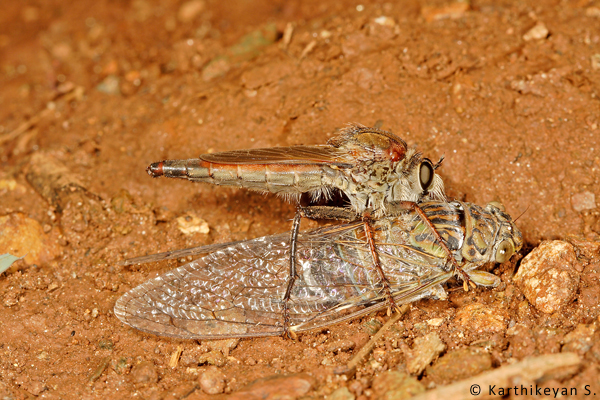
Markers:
370,167
237,291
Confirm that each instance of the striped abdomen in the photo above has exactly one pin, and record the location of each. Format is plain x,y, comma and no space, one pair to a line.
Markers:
448,220
275,178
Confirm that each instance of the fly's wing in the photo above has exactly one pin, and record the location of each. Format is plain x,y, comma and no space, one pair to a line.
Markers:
353,144
289,171
238,291
294,155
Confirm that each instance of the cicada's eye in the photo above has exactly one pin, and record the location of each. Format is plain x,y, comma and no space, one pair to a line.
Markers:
426,173
504,251
498,205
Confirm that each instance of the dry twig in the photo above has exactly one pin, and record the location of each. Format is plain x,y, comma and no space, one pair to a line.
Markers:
98,371
174,360
367,348
530,369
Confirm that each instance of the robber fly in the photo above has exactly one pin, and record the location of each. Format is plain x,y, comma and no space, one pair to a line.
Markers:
371,167
237,290
375,170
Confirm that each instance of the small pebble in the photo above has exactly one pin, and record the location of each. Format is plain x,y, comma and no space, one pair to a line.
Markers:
275,387
110,85
480,318
549,276
341,345
24,236
459,364
35,387
385,21
583,201
341,394
435,322
522,341
122,365
215,68
212,381
539,31
144,373
190,10
224,346
62,51
106,344
592,12
214,357
396,385
580,340
30,14
190,223
424,351
595,61
452,10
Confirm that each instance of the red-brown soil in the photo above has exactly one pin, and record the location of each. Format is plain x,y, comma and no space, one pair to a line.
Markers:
93,91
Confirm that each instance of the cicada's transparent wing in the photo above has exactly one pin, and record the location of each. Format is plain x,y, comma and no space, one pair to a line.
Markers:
238,291
232,292
405,292
412,273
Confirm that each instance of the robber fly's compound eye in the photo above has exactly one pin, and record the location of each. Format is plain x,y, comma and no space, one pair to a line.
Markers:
504,251
426,173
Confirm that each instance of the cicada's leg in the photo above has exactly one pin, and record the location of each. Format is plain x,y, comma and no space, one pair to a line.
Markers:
412,206
346,214
377,264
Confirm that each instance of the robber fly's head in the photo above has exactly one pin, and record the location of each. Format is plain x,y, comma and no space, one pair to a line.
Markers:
422,181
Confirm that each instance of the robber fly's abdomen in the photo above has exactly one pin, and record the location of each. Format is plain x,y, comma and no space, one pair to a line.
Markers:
275,178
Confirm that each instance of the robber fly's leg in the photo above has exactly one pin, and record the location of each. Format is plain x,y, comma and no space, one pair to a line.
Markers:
311,212
377,264
293,274
408,205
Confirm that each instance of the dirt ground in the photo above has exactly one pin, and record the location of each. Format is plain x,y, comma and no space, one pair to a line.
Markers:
93,91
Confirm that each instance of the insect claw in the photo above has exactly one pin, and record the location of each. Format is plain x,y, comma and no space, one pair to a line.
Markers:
473,285
465,286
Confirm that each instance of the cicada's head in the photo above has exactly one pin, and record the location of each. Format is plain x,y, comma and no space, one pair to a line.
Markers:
490,234
509,239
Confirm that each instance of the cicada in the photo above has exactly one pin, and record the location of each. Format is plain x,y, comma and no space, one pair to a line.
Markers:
238,289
